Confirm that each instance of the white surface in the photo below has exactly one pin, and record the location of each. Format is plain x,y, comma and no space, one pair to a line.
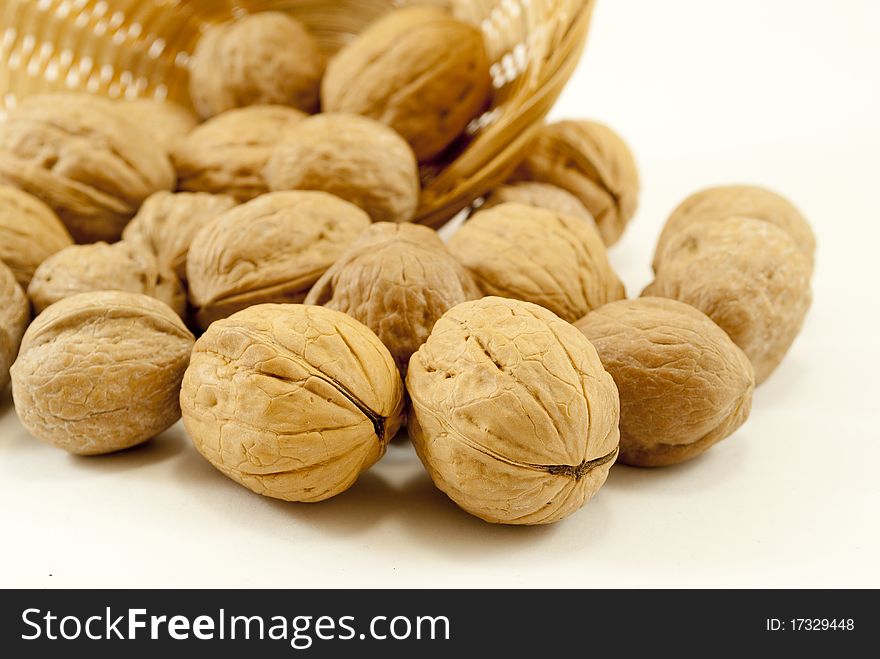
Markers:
783,93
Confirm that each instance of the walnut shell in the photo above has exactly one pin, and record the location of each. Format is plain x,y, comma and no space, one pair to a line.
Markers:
539,256
167,223
14,316
264,58
291,401
417,69
683,384
512,413
352,157
541,195
100,372
397,279
30,232
747,275
227,154
271,249
122,266
592,162
167,122
719,203
83,158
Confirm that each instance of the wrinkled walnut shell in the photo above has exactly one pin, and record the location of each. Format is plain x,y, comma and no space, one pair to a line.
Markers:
14,316
512,413
748,276
397,279
291,401
352,157
539,256
541,195
418,70
29,233
166,121
271,249
85,159
593,163
228,153
122,266
683,384
100,372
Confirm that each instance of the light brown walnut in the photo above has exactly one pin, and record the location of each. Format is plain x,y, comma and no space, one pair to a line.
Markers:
417,69
352,157
167,122
541,195
227,154
397,279
747,275
30,232
85,159
271,249
291,401
263,58
540,256
592,162
511,412
720,203
683,384
14,316
100,372
167,223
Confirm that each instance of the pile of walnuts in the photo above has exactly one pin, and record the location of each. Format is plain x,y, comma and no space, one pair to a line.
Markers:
327,320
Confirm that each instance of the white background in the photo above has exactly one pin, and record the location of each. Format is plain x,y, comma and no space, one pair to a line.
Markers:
782,93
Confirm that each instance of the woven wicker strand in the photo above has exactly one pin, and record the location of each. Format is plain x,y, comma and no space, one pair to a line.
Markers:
132,48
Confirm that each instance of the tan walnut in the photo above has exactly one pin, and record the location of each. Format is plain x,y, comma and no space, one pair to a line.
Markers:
352,157
14,316
271,249
397,279
417,69
166,121
122,266
720,203
747,275
541,195
167,223
291,401
227,154
683,384
539,256
264,58
511,412
100,372
592,162
30,232
85,159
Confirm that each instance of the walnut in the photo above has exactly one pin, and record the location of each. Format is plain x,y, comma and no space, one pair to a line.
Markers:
542,195
397,279
747,275
14,317
166,121
719,203
122,266
167,222
352,157
83,158
291,401
100,372
539,256
512,413
265,58
593,163
683,384
417,69
30,232
227,154
271,249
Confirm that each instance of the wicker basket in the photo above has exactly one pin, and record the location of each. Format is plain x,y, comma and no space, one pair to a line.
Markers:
141,47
